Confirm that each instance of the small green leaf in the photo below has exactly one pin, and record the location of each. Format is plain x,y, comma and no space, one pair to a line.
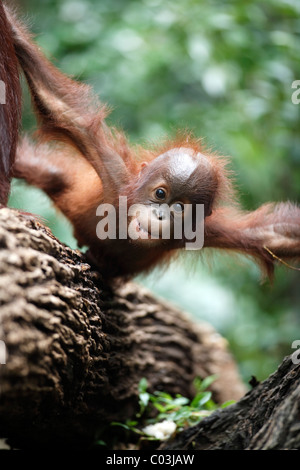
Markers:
200,399
180,401
211,405
100,443
159,407
122,425
163,395
143,385
131,423
228,403
205,383
144,398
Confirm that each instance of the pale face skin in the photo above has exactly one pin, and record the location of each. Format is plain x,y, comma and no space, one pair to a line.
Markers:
163,195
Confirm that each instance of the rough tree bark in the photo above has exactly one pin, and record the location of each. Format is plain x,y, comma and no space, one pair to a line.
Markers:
76,348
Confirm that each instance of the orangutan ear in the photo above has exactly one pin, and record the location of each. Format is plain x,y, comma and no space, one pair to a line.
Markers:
142,167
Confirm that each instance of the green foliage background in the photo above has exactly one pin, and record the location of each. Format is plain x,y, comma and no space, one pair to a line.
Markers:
223,69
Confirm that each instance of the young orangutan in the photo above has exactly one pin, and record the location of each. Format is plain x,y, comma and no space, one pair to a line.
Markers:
89,164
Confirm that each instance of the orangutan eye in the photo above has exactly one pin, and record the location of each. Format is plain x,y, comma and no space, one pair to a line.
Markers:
178,207
160,193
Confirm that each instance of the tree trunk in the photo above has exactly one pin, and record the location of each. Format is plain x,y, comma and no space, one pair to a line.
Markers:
77,348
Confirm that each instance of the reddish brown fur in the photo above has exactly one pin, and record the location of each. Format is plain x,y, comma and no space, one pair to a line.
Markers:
94,164
11,110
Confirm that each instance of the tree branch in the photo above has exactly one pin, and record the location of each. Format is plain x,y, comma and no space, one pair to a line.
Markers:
77,348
